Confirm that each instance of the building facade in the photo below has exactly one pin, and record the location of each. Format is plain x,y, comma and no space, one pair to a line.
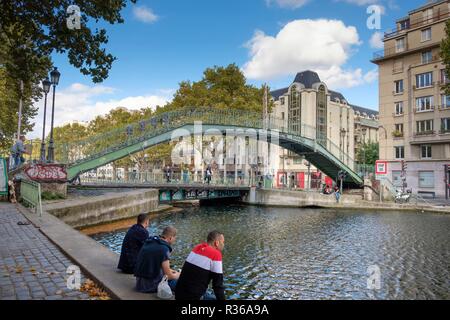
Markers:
308,107
414,112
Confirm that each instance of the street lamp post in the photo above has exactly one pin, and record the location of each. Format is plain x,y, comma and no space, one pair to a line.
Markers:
364,131
54,76
46,86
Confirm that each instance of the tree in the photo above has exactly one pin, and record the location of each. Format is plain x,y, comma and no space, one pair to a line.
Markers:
30,32
220,87
445,54
368,153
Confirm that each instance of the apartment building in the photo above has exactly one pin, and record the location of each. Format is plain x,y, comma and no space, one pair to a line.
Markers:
414,112
310,106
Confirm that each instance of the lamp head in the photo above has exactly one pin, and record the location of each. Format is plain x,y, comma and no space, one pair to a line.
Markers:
54,76
46,85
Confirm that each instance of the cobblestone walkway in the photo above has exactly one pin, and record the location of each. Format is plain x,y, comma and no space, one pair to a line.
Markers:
31,267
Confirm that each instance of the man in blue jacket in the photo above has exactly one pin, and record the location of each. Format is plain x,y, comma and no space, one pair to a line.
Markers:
154,262
132,244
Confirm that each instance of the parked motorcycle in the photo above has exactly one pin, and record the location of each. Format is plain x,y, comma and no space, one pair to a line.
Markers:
403,197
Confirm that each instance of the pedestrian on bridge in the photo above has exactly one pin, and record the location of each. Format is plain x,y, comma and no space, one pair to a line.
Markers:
17,152
168,172
208,176
337,193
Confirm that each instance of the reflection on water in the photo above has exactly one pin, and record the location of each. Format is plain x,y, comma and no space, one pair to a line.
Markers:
273,253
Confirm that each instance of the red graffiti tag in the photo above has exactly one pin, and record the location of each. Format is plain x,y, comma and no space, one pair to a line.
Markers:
47,173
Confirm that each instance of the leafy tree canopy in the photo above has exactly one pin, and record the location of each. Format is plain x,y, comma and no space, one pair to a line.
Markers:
445,54
32,30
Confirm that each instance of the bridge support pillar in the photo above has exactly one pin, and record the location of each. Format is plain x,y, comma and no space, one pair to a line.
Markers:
369,195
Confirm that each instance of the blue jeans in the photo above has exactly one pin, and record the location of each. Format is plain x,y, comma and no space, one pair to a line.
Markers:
18,160
338,196
208,296
172,284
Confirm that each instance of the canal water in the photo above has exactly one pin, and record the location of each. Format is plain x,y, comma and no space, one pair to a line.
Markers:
273,253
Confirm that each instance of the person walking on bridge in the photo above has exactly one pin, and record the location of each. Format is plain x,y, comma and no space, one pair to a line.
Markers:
17,152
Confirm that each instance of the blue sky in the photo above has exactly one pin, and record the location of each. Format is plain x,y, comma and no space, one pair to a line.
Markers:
163,42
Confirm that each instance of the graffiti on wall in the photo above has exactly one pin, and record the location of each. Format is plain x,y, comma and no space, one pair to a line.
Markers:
46,172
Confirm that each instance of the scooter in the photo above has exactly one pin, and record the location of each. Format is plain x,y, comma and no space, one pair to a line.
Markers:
402,197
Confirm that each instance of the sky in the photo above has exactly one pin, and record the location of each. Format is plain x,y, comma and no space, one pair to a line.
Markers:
164,42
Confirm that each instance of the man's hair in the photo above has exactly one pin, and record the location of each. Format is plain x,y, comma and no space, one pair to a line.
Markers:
169,232
142,218
213,236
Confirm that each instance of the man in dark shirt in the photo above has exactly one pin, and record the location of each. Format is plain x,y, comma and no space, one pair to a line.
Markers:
154,262
132,244
204,264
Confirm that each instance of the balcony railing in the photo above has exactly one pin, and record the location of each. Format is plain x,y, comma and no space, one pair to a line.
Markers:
397,134
416,23
444,108
419,110
393,51
444,131
425,133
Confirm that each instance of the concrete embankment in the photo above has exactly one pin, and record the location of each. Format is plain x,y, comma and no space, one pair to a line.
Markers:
301,199
109,207
96,261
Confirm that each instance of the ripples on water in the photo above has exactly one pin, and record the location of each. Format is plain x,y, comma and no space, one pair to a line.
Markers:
273,253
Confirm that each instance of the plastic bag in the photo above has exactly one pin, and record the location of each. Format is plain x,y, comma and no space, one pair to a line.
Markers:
164,291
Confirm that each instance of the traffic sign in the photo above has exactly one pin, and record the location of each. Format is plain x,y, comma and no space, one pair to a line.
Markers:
381,167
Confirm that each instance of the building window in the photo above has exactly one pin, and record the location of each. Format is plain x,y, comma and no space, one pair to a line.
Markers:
397,178
445,125
425,127
282,100
427,57
399,127
425,151
400,45
399,86
424,104
321,116
404,24
428,15
426,34
424,80
426,179
294,118
399,152
282,116
445,101
399,108
444,77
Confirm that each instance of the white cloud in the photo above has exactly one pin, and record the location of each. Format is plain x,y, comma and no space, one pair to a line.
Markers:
145,14
376,41
290,4
320,45
84,103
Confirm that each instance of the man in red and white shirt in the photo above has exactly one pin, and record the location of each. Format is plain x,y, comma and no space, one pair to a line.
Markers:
204,264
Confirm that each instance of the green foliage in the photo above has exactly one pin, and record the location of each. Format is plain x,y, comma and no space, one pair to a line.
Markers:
32,30
220,87
445,54
368,153
47,195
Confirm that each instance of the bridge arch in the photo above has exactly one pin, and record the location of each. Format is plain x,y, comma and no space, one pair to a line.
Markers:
97,151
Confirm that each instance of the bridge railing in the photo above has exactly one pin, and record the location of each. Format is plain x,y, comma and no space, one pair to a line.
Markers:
118,138
149,178
30,191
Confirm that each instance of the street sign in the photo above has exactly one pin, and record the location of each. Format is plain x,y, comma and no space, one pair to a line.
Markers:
381,169
3,178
